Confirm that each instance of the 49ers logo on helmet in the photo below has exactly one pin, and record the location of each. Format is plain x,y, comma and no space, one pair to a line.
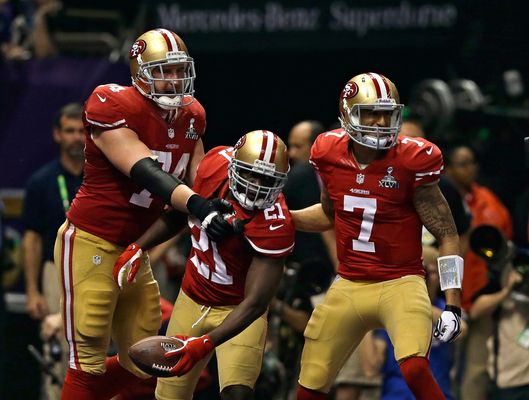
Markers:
350,90
240,143
137,48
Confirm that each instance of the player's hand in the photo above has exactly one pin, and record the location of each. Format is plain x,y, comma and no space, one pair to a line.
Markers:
193,350
448,326
213,215
51,326
36,305
127,265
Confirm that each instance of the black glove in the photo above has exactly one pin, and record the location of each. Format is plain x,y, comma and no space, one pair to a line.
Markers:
210,213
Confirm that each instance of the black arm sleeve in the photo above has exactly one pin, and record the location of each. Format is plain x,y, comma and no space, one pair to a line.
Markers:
150,175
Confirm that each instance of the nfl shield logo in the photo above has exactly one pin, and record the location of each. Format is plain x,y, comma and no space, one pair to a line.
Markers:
96,260
170,132
359,178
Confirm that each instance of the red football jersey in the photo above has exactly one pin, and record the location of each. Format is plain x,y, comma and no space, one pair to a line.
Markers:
109,204
216,272
378,231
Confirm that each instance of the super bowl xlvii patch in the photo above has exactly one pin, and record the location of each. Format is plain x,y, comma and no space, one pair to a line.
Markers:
389,181
191,133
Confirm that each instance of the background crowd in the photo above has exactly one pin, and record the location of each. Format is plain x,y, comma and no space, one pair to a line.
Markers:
463,81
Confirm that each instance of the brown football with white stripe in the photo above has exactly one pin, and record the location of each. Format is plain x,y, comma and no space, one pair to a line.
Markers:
149,355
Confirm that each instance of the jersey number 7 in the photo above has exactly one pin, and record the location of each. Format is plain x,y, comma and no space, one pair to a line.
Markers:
369,207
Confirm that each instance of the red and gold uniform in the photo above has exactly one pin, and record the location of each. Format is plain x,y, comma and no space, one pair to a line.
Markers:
214,282
380,279
109,212
109,204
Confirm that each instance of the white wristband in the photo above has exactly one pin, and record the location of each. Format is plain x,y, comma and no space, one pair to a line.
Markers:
450,272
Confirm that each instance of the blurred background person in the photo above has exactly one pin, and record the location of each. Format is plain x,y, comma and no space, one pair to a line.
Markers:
412,127
302,190
49,192
485,208
504,300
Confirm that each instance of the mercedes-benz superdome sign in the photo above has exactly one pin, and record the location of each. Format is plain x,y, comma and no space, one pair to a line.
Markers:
307,25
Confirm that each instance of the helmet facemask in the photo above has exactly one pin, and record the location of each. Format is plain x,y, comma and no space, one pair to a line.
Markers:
375,137
182,87
255,186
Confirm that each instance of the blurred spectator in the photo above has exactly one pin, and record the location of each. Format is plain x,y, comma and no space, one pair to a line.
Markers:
486,208
28,33
302,190
48,194
300,140
508,361
412,127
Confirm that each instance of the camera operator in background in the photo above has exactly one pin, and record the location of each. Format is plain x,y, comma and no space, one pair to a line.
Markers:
506,299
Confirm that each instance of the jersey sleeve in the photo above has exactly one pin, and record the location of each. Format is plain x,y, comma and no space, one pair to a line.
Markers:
200,117
271,238
425,161
103,108
319,149
212,170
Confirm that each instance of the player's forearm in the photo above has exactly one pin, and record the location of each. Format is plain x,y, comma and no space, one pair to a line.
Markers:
32,259
180,196
312,219
238,320
165,227
262,280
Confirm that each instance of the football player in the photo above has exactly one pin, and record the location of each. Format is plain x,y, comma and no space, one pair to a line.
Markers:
379,189
142,143
228,285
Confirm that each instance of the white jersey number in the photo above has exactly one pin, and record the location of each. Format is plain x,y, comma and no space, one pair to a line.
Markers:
369,207
144,198
217,273
274,212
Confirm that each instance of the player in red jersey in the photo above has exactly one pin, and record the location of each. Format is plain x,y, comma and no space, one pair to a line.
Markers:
142,143
228,285
379,188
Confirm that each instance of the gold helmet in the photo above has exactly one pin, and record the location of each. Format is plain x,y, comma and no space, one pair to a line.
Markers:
149,54
258,169
373,92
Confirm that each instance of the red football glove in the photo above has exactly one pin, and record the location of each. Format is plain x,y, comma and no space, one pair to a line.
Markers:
193,350
127,265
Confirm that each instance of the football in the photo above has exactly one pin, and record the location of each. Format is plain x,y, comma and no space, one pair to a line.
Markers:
148,355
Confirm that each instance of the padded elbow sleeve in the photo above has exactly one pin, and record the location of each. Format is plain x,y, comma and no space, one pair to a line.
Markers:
149,174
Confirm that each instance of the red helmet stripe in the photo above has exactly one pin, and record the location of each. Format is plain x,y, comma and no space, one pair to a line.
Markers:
381,85
268,147
274,148
170,39
264,145
386,85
